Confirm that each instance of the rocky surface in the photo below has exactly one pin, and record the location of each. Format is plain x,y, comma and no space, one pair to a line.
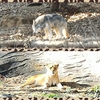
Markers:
71,64
78,71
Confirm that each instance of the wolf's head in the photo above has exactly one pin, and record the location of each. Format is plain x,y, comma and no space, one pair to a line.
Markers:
36,26
52,69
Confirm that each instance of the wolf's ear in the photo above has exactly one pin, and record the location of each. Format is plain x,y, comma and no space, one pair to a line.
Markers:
33,21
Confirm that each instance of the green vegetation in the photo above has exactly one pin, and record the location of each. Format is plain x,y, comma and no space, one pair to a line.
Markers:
94,92
47,95
51,95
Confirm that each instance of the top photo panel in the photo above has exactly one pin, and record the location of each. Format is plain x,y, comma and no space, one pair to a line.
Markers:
50,25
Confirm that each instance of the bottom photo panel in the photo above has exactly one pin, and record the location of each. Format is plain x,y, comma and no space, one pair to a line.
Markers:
49,74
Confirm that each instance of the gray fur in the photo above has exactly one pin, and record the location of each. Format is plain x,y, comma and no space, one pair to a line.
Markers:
49,22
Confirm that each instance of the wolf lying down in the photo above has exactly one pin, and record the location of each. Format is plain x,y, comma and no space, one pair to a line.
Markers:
49,23
45,80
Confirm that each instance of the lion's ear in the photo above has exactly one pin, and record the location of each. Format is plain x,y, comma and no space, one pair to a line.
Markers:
57,64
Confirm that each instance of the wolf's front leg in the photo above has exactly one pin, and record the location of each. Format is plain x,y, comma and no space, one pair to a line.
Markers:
50,34
58,33
46,34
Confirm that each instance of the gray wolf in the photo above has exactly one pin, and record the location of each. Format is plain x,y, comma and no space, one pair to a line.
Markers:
47,79
49,23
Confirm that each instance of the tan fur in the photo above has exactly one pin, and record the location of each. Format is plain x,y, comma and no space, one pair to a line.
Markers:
44,80
58,33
